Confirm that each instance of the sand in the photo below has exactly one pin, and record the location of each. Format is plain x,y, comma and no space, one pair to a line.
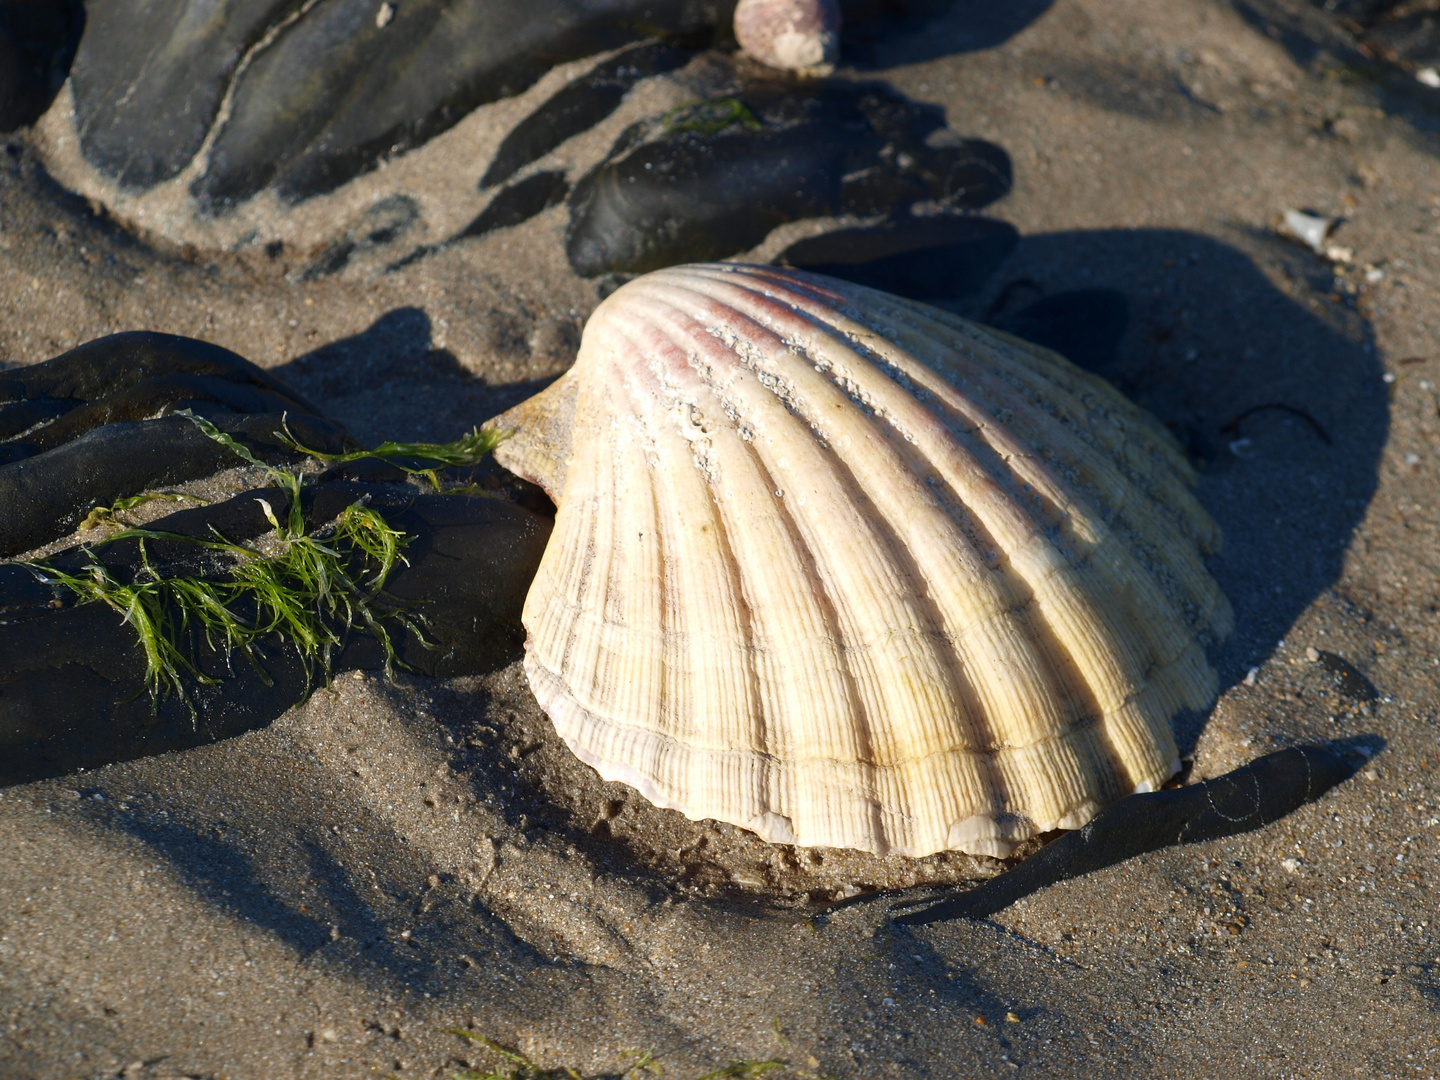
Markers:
327,897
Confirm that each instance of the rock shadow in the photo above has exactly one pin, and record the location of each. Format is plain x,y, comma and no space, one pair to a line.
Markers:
390,381
228,878
881,34
396,345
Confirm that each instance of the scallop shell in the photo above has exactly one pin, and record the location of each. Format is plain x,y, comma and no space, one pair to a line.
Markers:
850,571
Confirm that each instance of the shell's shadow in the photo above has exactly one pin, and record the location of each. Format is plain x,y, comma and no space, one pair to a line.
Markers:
1210,341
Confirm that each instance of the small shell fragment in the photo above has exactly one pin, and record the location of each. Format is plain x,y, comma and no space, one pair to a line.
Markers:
849,571
792,35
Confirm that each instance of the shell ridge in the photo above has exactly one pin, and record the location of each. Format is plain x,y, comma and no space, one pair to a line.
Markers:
825,606
698,485
1023,531
655,758
1169,486
564,576
1117,628
1062,373
944,660
1021,535
1089,715
1003,397
990,380
864,734
1169,550
603,583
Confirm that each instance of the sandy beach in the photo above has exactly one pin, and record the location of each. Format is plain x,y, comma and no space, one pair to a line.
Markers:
337,894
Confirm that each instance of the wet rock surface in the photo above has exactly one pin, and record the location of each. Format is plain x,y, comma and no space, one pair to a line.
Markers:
95,425
73,695
321,91
305,96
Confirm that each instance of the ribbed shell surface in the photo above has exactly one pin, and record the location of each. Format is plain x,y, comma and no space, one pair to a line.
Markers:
850,571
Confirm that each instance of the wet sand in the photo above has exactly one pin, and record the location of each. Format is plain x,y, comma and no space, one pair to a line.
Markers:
327,896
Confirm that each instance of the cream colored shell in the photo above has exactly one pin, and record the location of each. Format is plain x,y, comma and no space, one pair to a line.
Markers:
851,571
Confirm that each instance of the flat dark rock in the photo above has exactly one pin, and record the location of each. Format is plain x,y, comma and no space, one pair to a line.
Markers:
323,90
88,427
337,91
713,179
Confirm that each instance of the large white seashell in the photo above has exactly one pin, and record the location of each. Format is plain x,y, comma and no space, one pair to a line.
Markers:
850,571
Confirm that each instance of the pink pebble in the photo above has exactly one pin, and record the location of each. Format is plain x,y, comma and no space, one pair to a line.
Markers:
793,35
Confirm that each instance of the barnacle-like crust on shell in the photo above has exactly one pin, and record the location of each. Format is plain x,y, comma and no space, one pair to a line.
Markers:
850,571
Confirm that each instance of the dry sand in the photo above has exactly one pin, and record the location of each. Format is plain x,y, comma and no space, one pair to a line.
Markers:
327,896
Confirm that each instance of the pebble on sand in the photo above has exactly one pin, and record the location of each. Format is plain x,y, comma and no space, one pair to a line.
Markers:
792,35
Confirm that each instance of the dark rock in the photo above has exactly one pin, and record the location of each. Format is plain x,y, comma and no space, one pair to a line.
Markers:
37,42
149,77
321,91
78,429
167,393
73,690
714,178
926,258
119,361
46,495
337,91
1083,325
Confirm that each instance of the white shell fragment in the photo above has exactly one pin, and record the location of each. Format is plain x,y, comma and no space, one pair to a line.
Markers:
792,35
849,571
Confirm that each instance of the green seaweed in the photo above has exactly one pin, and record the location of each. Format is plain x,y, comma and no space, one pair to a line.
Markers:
467,450
105,515
711,117
305,591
